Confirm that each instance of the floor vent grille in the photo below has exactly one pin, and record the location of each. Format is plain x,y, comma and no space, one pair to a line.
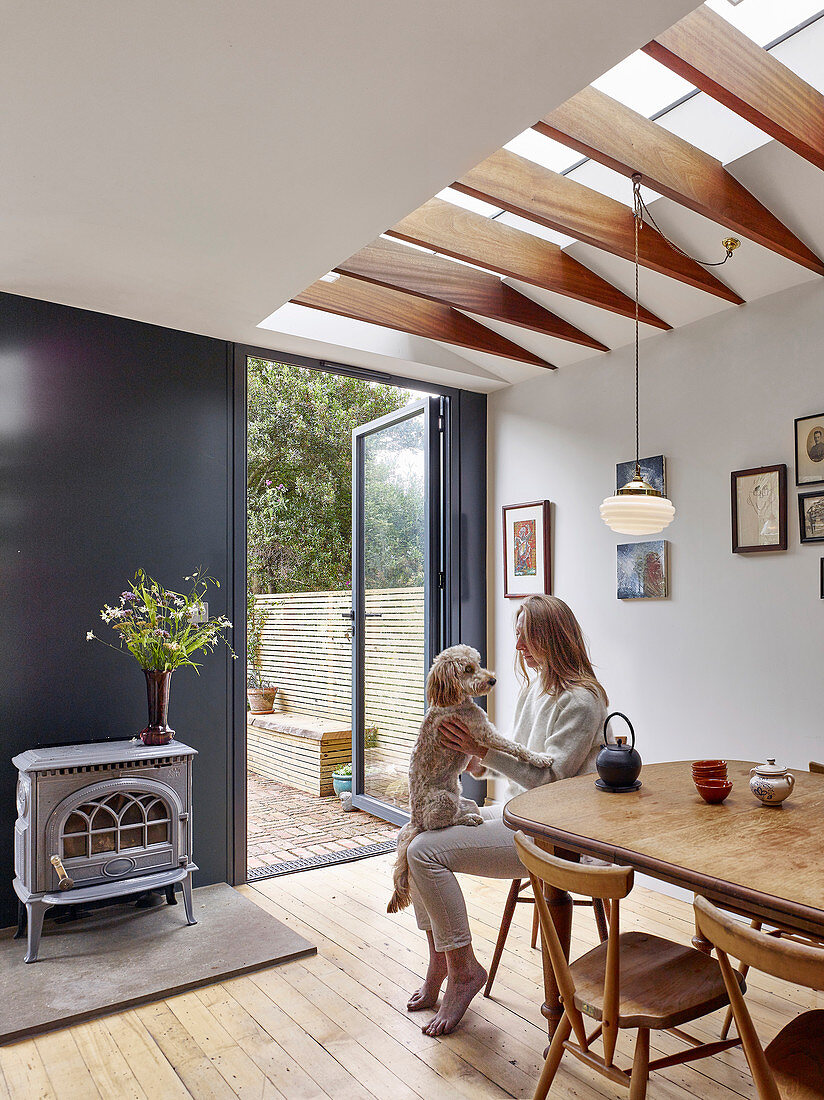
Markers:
327,860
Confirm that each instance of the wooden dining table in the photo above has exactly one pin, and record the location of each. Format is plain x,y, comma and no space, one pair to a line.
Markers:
763,862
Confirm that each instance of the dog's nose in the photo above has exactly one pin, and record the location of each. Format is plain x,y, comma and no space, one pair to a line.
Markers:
493,681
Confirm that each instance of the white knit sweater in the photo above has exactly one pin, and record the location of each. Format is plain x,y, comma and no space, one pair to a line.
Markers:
565,728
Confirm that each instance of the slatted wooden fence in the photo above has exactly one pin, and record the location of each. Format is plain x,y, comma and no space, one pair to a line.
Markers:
307,652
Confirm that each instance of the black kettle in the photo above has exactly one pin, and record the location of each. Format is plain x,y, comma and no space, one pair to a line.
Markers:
618,764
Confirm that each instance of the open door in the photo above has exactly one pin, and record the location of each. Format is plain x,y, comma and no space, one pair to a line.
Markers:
398,589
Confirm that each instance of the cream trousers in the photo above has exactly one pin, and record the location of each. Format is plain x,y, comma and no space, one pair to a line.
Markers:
436,856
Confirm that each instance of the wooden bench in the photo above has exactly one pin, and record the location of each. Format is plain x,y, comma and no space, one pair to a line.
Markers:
298,749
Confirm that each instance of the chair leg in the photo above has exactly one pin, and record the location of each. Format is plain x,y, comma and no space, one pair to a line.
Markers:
600,918
506,921
535,926
743,970
553,1058
640,1066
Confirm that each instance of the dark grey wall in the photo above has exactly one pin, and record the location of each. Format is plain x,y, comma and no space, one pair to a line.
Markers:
115,452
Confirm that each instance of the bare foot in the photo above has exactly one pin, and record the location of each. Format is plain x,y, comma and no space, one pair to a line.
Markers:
427,995
458,996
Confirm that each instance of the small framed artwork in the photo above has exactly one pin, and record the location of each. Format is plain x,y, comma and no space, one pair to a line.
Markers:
643,570
811,516
809,449
759,509
527,557
653,471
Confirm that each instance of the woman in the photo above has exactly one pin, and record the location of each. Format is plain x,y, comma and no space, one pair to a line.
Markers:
559,715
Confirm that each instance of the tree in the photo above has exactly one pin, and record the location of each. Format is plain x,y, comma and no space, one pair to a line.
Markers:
300,481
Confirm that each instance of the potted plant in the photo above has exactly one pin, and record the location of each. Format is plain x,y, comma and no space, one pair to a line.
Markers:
259,691
163,630
342,779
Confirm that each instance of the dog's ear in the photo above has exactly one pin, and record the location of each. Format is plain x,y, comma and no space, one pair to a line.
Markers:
443,688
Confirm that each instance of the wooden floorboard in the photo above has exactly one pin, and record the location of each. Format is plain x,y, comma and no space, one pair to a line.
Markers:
335,1026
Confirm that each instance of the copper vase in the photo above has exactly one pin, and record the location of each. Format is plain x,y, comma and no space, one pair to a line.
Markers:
158,731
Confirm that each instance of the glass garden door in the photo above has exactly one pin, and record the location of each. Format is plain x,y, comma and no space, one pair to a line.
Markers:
397,595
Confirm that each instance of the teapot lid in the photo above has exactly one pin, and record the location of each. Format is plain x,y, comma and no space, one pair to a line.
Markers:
770,768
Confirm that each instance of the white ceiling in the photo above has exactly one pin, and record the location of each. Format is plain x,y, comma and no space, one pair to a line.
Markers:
195,164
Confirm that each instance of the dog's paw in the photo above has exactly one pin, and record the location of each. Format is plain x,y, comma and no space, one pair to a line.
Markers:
470,819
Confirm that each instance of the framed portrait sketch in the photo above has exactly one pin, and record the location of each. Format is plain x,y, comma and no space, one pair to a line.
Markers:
643,570
809,449
759,509
811,516
527,556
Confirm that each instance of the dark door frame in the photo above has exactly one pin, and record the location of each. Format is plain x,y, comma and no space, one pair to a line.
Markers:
434,411
464,488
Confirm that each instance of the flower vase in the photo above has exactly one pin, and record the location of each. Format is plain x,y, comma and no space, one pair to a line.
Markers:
157,689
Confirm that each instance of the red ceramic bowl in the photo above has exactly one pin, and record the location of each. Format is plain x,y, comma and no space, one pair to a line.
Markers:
713,790
710,771
709,765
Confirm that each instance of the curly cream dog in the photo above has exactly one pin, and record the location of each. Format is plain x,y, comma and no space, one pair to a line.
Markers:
434,791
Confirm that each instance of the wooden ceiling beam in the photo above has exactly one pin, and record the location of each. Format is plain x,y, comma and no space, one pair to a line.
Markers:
406,313
605,130
465,235
535,192
395,265
720,60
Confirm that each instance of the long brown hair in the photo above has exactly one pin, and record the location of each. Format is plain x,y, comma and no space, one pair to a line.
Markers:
553,637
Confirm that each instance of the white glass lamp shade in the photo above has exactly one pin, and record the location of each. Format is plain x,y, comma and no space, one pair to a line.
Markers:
637,509
631,514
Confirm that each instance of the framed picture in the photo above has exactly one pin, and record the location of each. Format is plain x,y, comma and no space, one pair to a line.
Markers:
821,580
811,516
527,558
653,471
643,570
759,509
809,449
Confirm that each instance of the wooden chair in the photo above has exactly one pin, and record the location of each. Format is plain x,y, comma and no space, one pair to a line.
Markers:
757,925
633,980
792,1066
516,896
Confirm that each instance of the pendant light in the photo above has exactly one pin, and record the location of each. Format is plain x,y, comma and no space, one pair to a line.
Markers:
637,508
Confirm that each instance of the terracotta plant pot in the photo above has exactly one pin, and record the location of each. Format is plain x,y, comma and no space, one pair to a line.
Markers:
261,700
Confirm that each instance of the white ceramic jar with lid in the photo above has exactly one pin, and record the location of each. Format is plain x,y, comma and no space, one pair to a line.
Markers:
770,783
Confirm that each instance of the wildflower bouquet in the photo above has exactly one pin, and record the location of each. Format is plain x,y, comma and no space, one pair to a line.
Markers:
162,629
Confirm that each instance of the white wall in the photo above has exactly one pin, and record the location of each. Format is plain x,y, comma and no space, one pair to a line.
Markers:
731,664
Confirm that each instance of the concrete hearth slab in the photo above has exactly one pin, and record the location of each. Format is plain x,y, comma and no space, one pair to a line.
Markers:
121,956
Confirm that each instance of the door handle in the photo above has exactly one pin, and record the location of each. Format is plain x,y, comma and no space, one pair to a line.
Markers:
373,615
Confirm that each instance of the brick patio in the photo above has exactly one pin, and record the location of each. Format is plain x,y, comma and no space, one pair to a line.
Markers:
286,825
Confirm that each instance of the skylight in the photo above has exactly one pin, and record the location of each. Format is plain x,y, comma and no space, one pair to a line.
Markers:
765,20
647,87
477,206
543,150
642,84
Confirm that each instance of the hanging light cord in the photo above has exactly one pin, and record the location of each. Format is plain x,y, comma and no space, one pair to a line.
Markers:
637,215
641,209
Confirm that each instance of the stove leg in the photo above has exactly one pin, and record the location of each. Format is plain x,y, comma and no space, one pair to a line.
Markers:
170,895
21,921
187,899
36,912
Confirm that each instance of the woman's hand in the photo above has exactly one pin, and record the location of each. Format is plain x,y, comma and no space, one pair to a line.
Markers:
454,734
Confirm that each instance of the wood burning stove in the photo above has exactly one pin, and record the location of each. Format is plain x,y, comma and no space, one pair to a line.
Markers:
99,821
